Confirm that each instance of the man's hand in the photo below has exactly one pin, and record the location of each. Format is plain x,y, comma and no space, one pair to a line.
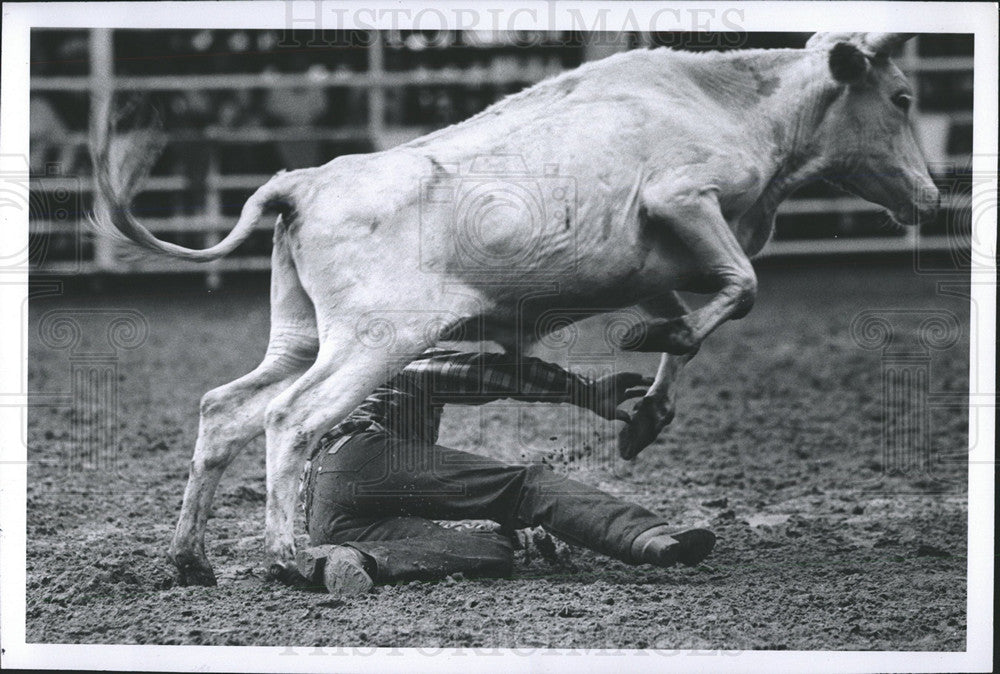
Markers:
604,395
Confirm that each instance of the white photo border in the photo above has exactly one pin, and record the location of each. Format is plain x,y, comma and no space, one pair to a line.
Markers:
975,18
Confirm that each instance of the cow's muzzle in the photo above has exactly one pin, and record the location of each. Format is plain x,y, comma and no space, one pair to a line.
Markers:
920,211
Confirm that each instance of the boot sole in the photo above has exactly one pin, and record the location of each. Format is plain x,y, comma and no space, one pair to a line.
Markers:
337,567
343,574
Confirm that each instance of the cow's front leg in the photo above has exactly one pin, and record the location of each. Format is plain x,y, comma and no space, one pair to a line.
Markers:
695,221
344,373
654,411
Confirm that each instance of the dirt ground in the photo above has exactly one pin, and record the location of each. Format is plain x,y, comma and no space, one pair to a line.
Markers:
777,446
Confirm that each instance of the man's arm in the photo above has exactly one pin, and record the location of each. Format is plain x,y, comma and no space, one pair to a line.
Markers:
478,378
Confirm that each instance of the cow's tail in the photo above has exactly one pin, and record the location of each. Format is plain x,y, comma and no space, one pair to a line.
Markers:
122,162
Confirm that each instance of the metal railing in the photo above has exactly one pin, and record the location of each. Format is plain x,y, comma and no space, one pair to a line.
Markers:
212,223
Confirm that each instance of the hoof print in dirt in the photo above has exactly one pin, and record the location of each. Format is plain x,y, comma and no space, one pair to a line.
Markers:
925,550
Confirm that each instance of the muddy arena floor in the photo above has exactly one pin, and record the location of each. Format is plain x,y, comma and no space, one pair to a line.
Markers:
777,446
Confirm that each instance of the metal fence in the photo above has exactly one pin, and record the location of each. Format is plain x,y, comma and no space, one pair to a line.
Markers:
817,221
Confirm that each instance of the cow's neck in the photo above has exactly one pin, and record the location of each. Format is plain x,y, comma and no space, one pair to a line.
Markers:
791,122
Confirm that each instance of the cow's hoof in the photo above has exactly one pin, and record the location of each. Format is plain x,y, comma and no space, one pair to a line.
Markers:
671,335
649,417
285,573
193,570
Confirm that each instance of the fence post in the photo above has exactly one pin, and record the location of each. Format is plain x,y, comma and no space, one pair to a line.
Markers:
213,215
376,92
102,88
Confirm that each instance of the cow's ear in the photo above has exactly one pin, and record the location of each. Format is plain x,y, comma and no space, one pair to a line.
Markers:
847,63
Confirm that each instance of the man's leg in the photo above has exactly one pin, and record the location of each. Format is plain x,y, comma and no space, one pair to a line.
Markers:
395,546
405,548
379,479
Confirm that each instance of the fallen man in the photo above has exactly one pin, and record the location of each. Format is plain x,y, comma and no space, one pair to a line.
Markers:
378,479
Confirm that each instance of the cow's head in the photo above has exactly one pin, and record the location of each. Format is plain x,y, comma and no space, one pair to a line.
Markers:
866,136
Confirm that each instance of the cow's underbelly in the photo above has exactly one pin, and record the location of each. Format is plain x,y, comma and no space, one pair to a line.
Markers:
523,308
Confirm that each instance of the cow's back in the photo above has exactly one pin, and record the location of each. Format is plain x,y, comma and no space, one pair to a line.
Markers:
590,136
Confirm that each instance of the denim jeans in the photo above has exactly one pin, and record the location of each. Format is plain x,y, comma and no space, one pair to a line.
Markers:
378,494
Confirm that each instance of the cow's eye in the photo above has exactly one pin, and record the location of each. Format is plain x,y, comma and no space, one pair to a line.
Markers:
902,101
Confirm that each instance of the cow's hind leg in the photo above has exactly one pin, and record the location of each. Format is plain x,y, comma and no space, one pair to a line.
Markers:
344,373
656,409
233,414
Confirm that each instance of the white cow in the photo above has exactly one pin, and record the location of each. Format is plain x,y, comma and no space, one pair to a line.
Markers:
611,185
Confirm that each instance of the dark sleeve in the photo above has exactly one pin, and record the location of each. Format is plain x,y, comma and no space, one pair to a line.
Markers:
477,378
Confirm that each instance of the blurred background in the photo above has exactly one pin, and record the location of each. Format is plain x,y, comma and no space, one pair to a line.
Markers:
239,105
